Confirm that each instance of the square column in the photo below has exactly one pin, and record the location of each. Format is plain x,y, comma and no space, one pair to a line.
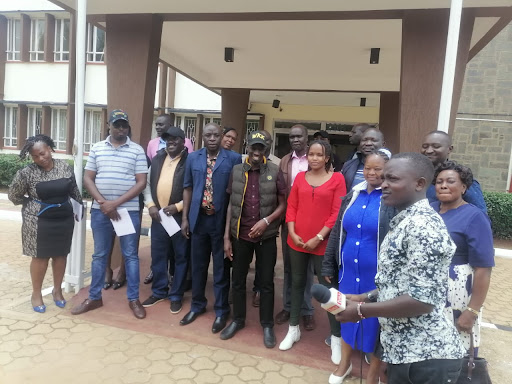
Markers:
133,45
234,112
424,34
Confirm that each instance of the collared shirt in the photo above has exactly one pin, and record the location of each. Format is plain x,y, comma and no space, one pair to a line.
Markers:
414,259
115,169
299,164
161,143
164,184
207,201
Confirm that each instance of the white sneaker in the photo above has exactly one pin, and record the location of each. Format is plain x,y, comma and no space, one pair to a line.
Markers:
333,379
291,338
335,349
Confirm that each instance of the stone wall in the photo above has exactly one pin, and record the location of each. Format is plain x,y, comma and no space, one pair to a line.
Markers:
485,146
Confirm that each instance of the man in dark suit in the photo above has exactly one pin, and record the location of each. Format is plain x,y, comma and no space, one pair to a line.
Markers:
205,201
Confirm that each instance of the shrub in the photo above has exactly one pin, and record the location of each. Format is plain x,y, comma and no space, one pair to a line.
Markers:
9,165
499,209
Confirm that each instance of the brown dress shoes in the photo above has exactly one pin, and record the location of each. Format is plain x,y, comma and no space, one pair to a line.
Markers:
86,306
137,309
282,317
309,322
256,299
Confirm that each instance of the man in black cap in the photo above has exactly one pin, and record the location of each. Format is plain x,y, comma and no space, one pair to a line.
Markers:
256,204
164,192
123,168
336,161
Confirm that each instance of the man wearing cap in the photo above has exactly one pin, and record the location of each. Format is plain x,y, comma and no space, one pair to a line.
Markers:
257,201
205,202
164,191
336,161
115,175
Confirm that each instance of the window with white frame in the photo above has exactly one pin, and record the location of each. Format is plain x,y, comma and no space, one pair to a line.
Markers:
92,129
95,44
10,133
61,40
13,39
59,128
37,30
35,117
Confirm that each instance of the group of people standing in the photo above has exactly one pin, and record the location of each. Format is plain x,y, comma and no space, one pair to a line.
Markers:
413,269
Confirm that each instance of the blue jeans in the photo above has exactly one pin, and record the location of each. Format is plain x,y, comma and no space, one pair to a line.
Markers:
208,239
103,234
161,247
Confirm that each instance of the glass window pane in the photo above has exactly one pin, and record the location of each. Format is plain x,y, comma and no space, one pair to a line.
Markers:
65,40
100,40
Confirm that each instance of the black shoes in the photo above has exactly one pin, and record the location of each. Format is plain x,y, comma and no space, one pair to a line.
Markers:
220,323
231,330
190,317
269,338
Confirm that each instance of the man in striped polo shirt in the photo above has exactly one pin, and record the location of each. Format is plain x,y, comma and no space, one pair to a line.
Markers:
115,175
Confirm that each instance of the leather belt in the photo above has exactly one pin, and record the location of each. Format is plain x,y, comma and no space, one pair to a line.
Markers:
209,212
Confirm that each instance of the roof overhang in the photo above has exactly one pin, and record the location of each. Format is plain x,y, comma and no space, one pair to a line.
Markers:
292,45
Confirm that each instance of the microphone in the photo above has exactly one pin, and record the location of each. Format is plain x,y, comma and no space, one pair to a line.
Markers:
332,300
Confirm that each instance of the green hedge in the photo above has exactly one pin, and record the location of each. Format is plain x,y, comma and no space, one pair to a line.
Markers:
10,164
499,209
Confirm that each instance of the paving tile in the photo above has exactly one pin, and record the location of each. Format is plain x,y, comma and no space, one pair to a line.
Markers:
267,365
158,354
34,340
159,367
204,377
136,376
223,355
21,325
244,360
290,370
250,373
226,368
274,378
183,372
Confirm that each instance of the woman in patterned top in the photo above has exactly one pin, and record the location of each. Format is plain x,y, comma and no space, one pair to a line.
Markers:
471,266
44,188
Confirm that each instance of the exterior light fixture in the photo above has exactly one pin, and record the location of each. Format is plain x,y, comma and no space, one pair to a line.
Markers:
275,103
362,103
374,55
229,55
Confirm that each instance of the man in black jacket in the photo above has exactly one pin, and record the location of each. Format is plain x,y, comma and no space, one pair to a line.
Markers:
164,195
371,140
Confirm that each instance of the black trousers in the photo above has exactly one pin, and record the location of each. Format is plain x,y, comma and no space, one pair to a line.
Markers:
437,371
266,255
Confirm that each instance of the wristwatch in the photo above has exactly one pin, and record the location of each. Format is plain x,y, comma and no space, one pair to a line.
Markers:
372,297
320,237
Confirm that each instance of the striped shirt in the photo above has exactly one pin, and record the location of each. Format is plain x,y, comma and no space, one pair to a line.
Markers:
116,169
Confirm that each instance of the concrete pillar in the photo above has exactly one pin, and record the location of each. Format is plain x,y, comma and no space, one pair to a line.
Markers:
49,38
25,38
388,119
133,44
21,125
234,112
2,125
424,34
171,87
199,131
104,123
71,85
3,57
46,121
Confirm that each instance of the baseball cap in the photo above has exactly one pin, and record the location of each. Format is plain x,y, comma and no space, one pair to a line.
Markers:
324,134
256,138
117,114
173,131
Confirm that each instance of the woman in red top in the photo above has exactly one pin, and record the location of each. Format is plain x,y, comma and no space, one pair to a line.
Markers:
313,206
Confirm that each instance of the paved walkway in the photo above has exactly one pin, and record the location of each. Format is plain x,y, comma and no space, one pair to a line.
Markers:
58,348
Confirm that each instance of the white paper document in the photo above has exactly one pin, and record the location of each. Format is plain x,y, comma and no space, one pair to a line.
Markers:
77,209
123,226
169,223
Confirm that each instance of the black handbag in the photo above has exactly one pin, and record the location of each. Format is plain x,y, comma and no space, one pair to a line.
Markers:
474,369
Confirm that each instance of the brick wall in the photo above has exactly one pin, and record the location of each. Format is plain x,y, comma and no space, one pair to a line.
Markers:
485,146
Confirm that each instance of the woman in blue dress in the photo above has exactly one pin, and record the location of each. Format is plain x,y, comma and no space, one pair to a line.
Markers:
351,255
471,266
